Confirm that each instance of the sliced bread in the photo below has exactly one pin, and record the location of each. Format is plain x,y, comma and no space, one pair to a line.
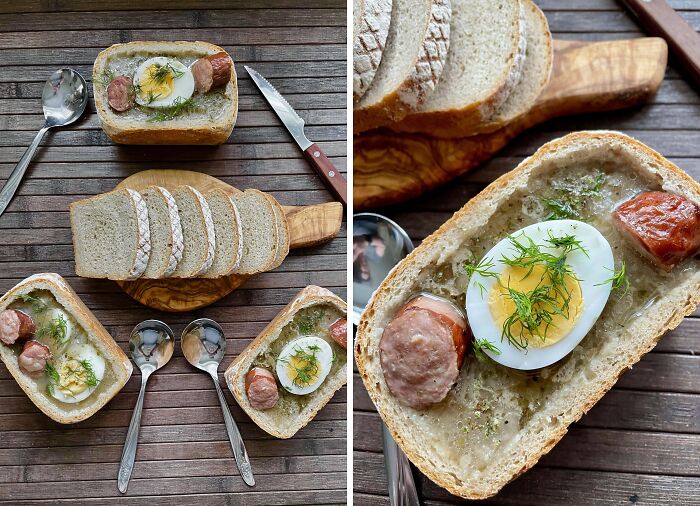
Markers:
412,63
282,232
228,231
197,231
111,236
260,237
166,233
487,50
371,19
535,75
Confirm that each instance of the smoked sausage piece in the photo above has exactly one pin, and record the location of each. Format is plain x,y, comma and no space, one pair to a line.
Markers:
211,72
33,358
120,93
664,227
339,332
15,326
421,351
261,388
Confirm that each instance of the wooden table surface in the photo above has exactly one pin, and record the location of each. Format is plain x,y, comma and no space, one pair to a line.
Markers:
641,443
184,456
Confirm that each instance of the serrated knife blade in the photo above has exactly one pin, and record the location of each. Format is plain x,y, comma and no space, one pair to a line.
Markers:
295,125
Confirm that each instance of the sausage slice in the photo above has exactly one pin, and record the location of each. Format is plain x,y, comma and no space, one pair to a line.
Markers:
261,388
16,326
120,94
664,227
339,332
33,358
211,72
421,351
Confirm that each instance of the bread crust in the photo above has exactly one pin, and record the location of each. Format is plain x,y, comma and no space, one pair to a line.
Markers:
368,43
420,82
669,311
97,335
235,373
174,131
453,122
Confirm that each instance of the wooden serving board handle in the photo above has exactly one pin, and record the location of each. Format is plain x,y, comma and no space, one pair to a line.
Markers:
313,225
586,77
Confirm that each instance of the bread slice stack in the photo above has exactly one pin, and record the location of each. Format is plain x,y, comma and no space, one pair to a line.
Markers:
498,60
126,235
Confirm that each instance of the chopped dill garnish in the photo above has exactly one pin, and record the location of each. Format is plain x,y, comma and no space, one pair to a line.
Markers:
179,107
161,72
152,97
38,305
559,210
483,268
56,329
568,243
89,373
572,195
105,77
308,321
53,377
479,345
618,280
309,365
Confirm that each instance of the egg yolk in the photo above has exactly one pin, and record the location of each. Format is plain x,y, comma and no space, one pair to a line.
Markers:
156,83
73,377
502,305
301,370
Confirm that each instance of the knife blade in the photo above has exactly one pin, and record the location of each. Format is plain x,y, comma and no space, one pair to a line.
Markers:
295,125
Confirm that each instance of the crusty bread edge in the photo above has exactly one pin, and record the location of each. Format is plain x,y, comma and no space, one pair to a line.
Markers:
235,373
214,133
687,302
66,296
282,232
414,90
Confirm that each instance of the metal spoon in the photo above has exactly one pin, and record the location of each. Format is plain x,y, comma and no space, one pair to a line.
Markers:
64,99
151,344
378,245
203,344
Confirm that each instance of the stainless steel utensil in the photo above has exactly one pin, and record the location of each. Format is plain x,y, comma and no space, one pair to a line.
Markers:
151,345
378,245
64,99
203,344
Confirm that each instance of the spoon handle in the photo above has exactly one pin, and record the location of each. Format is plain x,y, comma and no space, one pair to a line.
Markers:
239,452
132,438
8,191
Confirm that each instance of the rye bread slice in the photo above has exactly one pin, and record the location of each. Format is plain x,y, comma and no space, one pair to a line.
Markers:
198,233
166,233
371,19
282,232
229,232
260,237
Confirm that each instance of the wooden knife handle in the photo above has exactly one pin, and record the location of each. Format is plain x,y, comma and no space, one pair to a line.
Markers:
660,19
331,176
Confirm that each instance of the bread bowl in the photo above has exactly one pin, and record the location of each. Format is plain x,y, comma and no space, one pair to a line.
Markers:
496,422
66,327
311,312
175,107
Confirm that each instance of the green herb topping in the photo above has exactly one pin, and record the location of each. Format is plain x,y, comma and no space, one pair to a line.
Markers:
572,195
180,106
479,345
38,305
56,329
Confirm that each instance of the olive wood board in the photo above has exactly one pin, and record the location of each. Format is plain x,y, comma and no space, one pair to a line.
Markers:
308,226
389,167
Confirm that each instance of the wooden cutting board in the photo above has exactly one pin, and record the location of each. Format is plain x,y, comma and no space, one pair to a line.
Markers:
308,226
586,77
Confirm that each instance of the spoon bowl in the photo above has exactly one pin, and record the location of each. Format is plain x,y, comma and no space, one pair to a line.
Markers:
151,343
63,99
203,343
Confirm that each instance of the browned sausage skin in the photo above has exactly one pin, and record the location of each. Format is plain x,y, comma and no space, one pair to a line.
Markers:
664,227
261,388
339,332
120,93
33,358
211,72
422,350
16,326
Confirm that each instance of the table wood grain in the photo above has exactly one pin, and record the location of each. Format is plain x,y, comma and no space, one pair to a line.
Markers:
641,443
184,456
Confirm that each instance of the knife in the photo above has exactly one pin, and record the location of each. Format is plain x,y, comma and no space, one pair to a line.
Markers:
322,165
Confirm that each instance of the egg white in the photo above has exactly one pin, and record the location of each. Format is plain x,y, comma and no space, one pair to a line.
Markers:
183,86
593,272
80,352
325,360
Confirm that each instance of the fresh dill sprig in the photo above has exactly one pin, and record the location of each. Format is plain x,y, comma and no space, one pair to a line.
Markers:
559,210
161,72
38,305
53,377
572,196
479,345
179,107
483,268
618,280
309,370
89,373
308,320
568,243
152,97
105,77
56,329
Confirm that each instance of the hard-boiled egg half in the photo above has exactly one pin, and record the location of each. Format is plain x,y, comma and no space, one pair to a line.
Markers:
162,82
303,364
79,371
536,294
